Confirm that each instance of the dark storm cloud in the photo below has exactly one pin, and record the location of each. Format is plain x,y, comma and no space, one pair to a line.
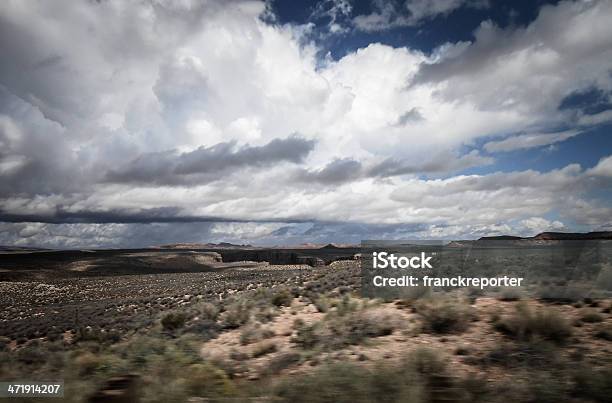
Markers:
169,214
206,163
347,170
337,171
164,214
36,156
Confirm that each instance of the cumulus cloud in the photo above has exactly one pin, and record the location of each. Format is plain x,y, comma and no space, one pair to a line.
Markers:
530,70
603,168
136,121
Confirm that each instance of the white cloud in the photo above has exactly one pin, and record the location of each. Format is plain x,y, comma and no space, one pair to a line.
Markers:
603,168
535,225
530,70
529,140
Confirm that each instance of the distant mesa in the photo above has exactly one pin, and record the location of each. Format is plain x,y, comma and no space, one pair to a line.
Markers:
220,245
501,238
12,248
563,236
554,236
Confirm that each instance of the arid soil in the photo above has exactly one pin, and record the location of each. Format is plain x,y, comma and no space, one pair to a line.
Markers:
278,332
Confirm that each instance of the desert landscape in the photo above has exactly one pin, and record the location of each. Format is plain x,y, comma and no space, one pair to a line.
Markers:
187,324
321,201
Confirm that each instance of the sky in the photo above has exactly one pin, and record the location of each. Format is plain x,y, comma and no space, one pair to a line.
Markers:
138,123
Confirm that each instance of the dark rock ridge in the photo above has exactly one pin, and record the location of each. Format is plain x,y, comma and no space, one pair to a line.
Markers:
314,257
220,245
554,236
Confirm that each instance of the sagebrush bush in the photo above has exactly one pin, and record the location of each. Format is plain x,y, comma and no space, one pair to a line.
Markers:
527,324
173,320
357,327
445,315
282,297
237,314
346,305
593,383
206,311
345,383
261,305
421,376
346,327
307,336
604,332
591,316
322,304
206,380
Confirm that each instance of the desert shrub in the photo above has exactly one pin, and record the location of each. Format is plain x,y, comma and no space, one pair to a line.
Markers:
594,384
422,376
527,324
547,387
263,349
339,330
141,350
425,361
261,304
265,314
206,311
204,329
604,332
591,316
336,383
346,305
282,297
445,315
359,326
206,380
173,320
322,304
236,314
89,364
307,336
254,332
33,353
